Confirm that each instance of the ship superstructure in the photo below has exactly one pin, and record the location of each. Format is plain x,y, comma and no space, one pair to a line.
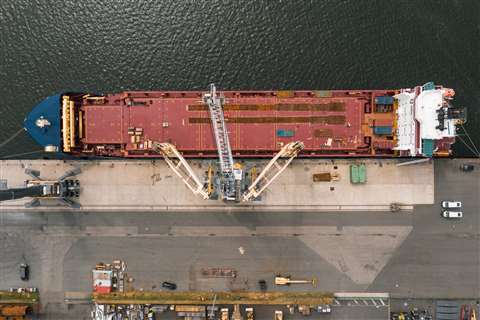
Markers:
425,120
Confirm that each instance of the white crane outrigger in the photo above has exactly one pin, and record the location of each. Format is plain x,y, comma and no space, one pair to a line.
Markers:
231,173
273,169
180,166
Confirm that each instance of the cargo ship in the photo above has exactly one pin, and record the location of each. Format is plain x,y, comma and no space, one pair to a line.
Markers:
412,122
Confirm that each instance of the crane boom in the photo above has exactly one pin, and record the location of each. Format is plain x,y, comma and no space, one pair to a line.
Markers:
273,169
230,176
215,106
181,168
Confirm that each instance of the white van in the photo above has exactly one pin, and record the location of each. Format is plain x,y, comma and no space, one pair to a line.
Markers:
452,214
451,204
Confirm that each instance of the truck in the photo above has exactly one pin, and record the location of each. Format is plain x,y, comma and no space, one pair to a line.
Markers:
278,315
249,313
224,314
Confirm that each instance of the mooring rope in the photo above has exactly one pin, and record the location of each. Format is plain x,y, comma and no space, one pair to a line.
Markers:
21,154
476,154
471,141
11,138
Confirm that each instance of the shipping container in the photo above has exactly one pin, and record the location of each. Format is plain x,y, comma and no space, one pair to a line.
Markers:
285,133
382,130
384,100
358,174
427,147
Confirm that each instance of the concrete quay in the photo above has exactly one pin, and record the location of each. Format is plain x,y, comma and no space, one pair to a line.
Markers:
151,186
411,255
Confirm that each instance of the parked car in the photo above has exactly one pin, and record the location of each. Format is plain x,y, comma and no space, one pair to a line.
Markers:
169,285
451,204
324,308
24,272
452,214
263,285
467,167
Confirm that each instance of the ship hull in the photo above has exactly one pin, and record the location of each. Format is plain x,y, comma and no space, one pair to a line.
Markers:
338,123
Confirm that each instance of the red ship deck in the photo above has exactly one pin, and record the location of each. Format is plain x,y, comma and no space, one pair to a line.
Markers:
259,123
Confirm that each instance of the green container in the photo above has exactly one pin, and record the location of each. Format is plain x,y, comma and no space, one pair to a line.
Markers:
362,173
358,174
427,147
353,173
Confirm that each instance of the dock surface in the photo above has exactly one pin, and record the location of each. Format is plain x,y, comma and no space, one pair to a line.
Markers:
410,254
146,185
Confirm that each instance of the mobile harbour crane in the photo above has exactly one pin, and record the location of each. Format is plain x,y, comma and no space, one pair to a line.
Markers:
231,175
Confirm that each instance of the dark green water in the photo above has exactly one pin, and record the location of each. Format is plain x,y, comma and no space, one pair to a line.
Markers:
49,46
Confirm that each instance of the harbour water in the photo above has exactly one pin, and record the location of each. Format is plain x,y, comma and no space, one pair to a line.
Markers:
54,46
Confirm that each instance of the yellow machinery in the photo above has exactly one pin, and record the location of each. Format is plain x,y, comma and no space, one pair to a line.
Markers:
286,281
18,305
